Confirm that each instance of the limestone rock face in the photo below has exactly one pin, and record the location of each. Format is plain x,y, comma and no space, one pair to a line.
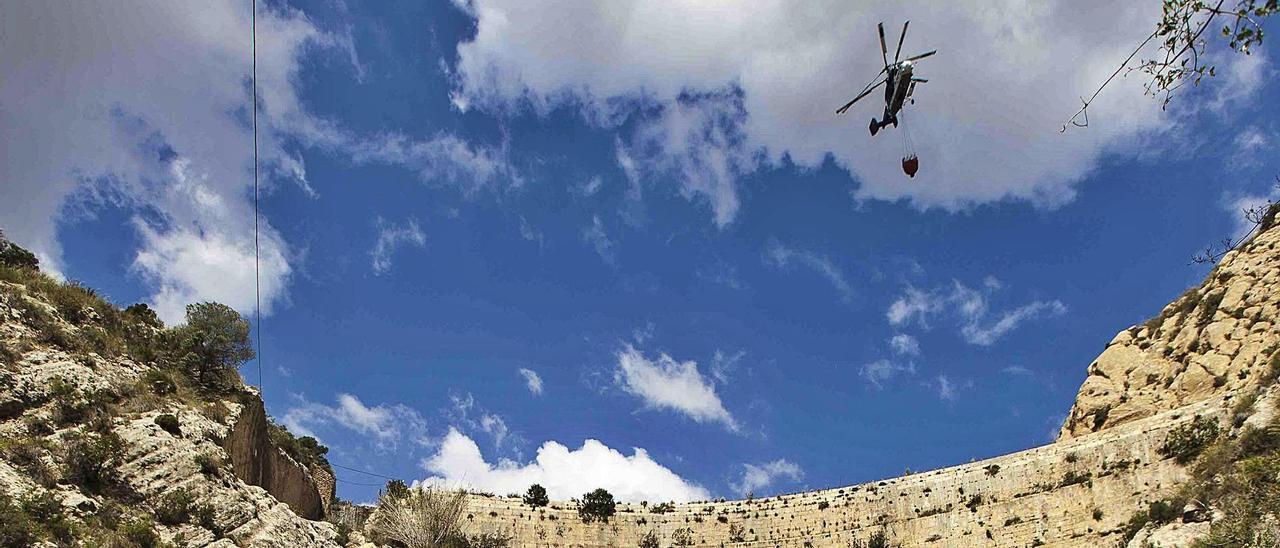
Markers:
1216,338
258,496
259,463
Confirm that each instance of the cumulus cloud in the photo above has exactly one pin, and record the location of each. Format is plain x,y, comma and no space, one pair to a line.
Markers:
160,131
880,372
756,477
970,307
392,236
563,471
718,91
665,383
386,425
784,257
532,380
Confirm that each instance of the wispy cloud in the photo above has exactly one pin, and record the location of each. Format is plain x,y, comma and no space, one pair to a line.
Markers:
905,345
391,237
386,425
596,236
970,307
880,372
664,383
949,389
532,380
782,256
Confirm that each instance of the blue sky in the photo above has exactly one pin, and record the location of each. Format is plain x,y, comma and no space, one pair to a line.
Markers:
511,228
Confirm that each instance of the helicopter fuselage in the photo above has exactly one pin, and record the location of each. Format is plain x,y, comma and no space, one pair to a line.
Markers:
897,89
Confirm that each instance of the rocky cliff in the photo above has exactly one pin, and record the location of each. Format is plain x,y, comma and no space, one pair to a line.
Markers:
1219,337
130,453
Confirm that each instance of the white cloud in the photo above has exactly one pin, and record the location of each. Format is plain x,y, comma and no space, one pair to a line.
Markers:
143,107
532,380
665,383
880,372
970,307
946,390
463,413
783,257
985,335
564,472
904,344
528,232
596,236
386,425
392,236
717,91
759,476
723,364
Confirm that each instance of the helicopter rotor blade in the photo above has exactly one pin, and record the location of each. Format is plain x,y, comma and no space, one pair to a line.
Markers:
922,55
884,50
901,38
921,80
864,93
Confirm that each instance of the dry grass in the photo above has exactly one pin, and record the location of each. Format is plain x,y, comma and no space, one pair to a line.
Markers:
426,518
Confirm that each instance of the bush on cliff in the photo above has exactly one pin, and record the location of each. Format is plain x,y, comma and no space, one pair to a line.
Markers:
1185,442
597,505
213,344
536,496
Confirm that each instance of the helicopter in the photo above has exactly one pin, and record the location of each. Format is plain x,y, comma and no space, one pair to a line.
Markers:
898,80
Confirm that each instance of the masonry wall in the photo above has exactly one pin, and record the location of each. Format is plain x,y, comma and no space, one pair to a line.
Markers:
1015,500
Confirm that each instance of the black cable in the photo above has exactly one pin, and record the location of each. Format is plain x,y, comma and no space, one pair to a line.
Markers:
361,471
340,480
257,284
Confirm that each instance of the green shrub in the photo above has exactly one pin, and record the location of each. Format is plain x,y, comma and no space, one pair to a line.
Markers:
536,496
651,540
662,508
597,505
159,382
169,423
1185,442
210,464
91,460
141,532
878,539
175,507
14,256
1075,478
46,510
17,529
682,537
396,489
1097,514
306,449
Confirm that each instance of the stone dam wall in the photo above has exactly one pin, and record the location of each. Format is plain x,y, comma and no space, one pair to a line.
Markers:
1075,492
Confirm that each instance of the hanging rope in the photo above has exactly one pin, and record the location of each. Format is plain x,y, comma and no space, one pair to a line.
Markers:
257,284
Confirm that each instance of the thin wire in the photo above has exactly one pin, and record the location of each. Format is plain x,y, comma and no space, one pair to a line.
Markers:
257,284
340,480
360,471
1084,109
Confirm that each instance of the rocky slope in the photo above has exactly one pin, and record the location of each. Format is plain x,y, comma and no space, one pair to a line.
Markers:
1216,338
130,455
